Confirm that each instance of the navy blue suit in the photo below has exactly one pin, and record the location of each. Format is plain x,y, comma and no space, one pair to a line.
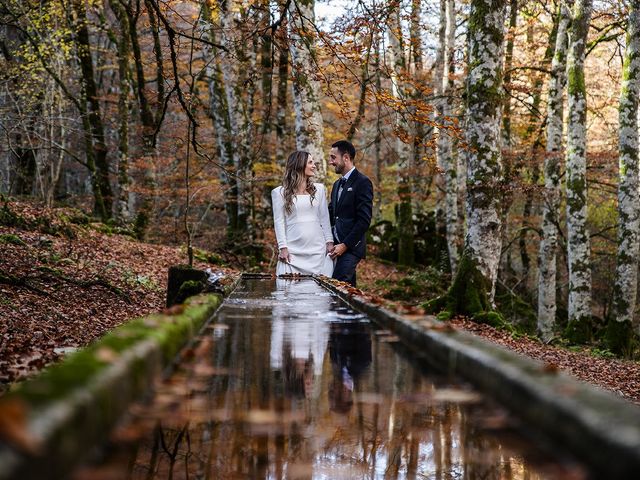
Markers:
350,219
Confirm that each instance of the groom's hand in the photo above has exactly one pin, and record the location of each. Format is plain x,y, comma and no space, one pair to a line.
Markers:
284,255
338,250
329,247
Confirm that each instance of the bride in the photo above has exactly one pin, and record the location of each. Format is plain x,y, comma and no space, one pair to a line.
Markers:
301,220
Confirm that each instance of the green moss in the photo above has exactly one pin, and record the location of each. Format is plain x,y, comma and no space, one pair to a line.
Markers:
9,238
494,319
435,305
208,257
9,218
184,282
468,295
189,289
578,330
517,311
170,332
140,224
416,286
619,337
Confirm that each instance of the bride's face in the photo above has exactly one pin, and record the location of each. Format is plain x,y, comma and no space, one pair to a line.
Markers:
310,168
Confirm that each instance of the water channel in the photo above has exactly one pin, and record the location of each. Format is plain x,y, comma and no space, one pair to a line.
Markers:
287,381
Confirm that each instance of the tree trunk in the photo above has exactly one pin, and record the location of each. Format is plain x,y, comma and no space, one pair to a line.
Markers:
377,140
306,87
104,201
508,64
124,74
579,325
534,126
219,112
264,175
619,328
281,112
422,130
552,164
484,99
148,183
404,139
237,66
445,158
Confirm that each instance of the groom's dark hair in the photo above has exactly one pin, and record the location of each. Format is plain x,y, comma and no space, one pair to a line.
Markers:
344,146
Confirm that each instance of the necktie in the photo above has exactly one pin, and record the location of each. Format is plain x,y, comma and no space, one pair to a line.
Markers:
341,186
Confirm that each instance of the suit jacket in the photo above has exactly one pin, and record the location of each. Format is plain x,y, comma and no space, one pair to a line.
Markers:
351,215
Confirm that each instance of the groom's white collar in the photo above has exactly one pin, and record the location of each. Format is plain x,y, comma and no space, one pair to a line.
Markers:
348,174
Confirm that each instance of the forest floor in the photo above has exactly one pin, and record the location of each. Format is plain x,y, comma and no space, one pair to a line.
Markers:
65,281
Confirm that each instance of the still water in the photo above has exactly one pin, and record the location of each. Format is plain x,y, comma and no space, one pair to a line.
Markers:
289,382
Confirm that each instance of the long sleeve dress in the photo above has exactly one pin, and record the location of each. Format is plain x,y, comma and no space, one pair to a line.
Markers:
305,232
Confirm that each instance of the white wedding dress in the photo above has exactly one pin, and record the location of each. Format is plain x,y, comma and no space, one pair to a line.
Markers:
305,232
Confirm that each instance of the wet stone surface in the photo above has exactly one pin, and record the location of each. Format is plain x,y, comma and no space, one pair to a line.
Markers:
288,382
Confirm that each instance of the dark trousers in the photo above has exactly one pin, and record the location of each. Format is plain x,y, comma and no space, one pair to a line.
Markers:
345,269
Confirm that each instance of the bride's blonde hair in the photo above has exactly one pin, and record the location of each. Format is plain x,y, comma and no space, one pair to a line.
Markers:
294,176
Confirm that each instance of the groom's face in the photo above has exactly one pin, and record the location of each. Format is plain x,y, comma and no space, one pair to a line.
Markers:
336,159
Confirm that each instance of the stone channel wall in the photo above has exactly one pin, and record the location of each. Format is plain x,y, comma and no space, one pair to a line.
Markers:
601,429
51,422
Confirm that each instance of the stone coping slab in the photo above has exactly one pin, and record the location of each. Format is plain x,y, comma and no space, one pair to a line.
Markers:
51,422
601,429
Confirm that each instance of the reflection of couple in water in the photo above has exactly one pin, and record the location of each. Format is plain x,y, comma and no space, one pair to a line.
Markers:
298,347
350,352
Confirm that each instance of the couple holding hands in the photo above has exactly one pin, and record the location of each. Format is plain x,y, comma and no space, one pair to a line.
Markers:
315,237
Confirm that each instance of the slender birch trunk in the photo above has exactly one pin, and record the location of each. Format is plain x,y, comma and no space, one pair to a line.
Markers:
620,326
144,206
445,158
219,113
306,86
403,137
422,132
234,65
377,140
124,49
552,167
438,76
508,64
455,176
578,327
97,143
281,111
534,135
264,175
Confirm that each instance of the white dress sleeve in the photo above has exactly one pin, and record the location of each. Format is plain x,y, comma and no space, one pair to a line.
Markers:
277,202
323,213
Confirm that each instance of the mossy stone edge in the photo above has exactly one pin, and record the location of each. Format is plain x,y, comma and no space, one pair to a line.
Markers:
71,406
593,424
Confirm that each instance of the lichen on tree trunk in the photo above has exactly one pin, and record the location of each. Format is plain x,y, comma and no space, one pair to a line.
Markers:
552,163
579,325
306,87
404,137
619,333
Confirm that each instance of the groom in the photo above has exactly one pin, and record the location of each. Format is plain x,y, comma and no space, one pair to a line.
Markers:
350,212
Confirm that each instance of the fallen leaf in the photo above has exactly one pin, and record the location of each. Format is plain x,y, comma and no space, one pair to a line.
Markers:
107,355
13,426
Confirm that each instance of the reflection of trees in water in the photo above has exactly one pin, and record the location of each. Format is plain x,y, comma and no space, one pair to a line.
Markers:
373,418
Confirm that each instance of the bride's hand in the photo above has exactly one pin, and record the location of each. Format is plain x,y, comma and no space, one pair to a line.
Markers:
329,247
284,255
